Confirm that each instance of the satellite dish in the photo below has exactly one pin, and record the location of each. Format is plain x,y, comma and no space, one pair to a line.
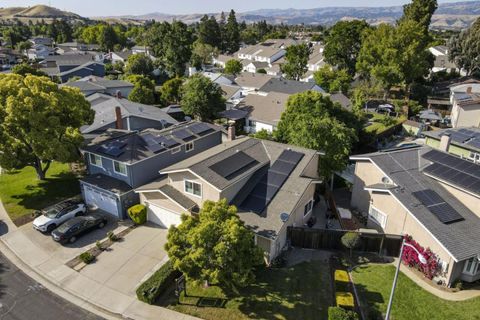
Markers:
284,216
386,180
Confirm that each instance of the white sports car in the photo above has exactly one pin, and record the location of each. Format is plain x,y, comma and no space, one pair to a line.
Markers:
55,215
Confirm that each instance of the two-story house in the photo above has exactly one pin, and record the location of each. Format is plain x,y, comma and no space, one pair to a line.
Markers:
120,161
465,101
92,84
428,194
463,142
271,184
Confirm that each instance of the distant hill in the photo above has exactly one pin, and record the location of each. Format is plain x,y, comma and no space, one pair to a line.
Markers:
36,12
455,15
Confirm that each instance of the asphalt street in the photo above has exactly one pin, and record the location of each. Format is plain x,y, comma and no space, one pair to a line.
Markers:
22,298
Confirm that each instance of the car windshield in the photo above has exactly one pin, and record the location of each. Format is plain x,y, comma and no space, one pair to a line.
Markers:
51,213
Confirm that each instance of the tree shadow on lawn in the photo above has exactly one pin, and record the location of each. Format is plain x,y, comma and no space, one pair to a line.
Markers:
47,192
370,300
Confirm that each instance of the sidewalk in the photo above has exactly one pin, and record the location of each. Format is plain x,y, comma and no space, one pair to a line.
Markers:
72,285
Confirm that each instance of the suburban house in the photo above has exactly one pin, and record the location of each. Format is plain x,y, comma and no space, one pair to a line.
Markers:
252,82
341,99
119,56
315,62
255,66
218,78
232,94
92,84
41,40
222,59
120,161
463,142
465,100
8,56
120,113
268,51
39,51
282,85
442,62
271,184
75,47
264,112
428,194
73,65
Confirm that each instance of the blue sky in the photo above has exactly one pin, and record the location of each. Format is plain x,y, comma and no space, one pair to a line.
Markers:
90,8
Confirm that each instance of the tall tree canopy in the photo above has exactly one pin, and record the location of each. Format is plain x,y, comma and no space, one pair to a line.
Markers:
202,98
140,64
202,54
143,89
215,247
333,80
171,91
233,67
314,121
24,68
464,49
343,44
40,122
209,31
232,34
296,60
420,11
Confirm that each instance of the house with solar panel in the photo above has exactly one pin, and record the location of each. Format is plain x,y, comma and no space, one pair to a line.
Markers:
271,184
464,142
465,101
430,194
119,161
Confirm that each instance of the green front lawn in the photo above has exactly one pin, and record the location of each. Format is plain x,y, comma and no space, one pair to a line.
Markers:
21,192
374,283
300,292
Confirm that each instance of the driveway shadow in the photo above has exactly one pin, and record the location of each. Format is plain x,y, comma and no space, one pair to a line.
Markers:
3,228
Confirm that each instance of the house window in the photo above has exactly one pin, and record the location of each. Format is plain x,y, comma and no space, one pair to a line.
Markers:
193,188
308,208
253,123
189,147
176,150
95,160
472,266
377,216
474,156
120,168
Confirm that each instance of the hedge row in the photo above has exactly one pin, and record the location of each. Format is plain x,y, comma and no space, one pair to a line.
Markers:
153,287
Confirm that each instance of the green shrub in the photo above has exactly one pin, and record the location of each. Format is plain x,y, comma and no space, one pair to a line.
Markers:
99,246
87,257
154,286
458,285
112,236
138,213
337,313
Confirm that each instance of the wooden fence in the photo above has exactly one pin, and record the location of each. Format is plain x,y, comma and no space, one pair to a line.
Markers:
325,239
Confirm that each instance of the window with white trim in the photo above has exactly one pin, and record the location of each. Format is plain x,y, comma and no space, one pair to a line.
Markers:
308,208
120,168
377,216
189,147
193,188
176,150
472,266
96,160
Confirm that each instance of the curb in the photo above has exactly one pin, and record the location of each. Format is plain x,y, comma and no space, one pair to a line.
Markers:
51,286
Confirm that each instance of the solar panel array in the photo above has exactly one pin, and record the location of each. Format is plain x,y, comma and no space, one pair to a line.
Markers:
200,128
272,181
467,136
183,134
157,144
234,165
449,168
114,149
436,205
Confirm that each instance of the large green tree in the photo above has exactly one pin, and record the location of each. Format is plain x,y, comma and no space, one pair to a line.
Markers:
232,34
343,44
143,89
202,98
233,67
214,246
313,121
296,60
209,32
202,54
420,11
333,80
24,68
464,48
140,64
171,90
40,122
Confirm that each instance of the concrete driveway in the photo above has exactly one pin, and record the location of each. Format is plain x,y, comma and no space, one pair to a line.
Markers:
137,256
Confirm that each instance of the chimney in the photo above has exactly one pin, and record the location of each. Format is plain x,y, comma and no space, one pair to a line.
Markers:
231,131
445,142
469,90
118,118
118,94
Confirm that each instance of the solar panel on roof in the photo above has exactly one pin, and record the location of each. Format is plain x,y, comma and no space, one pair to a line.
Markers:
233,165
282,167
474,143
167,142
254,204
114,151
149,139
264,191
436,205
155,148
200,128
118,144
183,134
273,178
291,156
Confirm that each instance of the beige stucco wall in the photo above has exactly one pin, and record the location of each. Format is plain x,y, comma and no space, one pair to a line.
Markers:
470,201
365,174
177,180
311,170
160,200
467,116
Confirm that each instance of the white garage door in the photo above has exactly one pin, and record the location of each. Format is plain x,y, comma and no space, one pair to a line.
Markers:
101,200
162,216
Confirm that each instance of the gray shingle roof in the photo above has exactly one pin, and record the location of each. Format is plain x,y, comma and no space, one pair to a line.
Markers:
97,83
404,167
282,85
104,106
177,196
107,183
437,135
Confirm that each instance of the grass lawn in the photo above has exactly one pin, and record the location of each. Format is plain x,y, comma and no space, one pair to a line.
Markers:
21,192
374,283
300,292
377,126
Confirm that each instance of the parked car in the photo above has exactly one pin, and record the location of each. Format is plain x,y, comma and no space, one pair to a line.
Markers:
75,227
55,215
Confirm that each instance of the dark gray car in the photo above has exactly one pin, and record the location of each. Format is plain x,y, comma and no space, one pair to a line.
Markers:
75,227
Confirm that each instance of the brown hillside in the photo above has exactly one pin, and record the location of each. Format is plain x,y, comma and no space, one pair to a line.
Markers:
45,11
